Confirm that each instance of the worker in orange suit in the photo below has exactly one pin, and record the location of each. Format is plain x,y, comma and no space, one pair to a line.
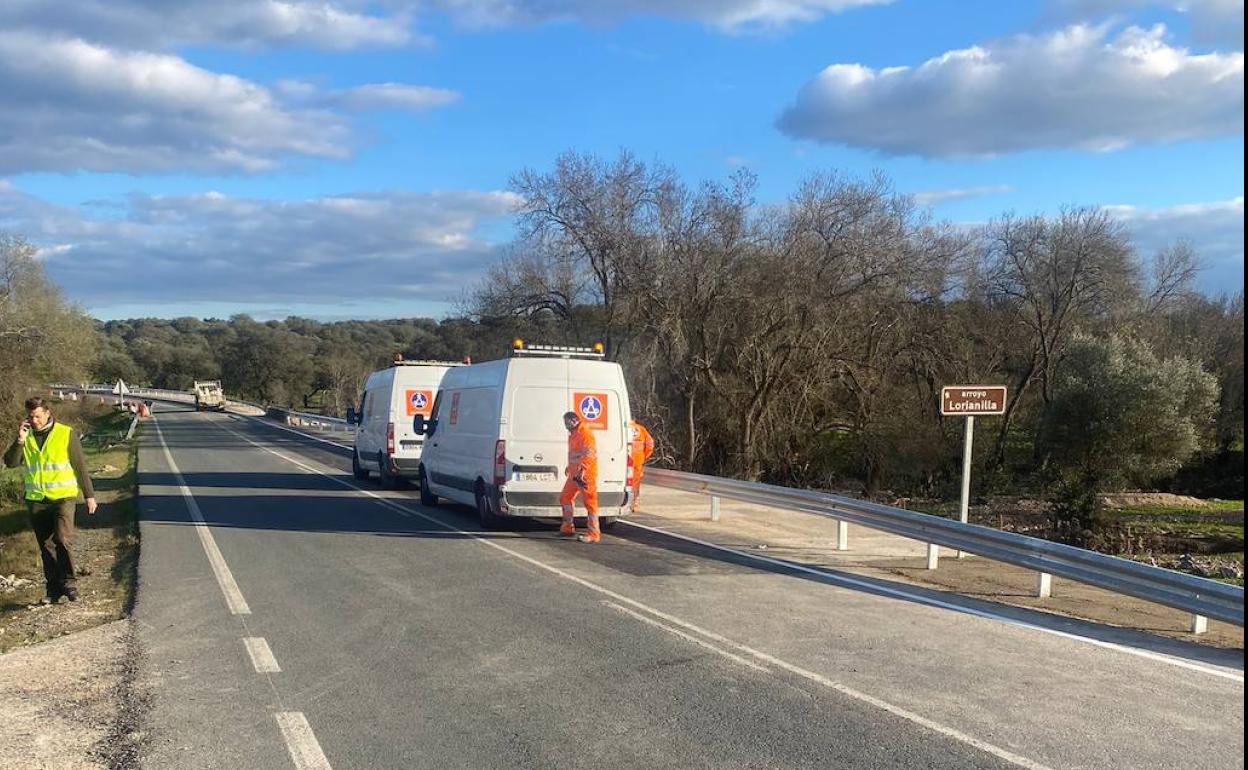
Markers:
640,447
582,473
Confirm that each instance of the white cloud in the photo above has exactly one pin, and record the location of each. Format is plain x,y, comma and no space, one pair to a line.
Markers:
1074,88
1214,22
1214,230
73,105
159,24
212,247
936,197
351,24
724,15
371,96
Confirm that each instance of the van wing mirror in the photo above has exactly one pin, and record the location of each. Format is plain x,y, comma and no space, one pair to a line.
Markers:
421,426
352,417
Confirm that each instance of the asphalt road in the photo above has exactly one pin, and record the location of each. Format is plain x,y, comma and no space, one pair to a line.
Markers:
406,638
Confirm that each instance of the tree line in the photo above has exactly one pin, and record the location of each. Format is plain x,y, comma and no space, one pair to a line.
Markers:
43,337
807,342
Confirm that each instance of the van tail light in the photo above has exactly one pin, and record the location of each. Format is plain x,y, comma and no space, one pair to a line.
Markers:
390,439
500,462
632,470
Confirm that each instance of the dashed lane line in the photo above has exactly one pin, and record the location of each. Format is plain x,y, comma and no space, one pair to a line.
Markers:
941,729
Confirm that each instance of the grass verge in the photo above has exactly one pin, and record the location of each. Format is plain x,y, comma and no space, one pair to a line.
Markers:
106,546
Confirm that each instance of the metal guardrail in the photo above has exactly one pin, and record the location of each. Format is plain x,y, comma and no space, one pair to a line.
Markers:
306,419
1199,596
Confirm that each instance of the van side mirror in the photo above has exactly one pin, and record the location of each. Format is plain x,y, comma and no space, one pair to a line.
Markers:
353,417
422,426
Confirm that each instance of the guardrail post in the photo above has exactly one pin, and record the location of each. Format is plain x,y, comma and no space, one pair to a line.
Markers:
842,535
1200,624
933,555
714,508
1044,585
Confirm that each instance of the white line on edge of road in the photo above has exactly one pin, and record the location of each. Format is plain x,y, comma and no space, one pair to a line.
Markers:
261,655
686,637
847,580
301,742
233,597
949,732
837,578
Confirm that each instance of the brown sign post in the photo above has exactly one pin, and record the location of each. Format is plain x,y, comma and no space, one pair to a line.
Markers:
967,401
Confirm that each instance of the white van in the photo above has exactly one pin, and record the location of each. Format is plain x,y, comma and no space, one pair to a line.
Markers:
496,439
384,440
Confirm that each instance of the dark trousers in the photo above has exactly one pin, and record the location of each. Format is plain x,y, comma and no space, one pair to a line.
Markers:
53,522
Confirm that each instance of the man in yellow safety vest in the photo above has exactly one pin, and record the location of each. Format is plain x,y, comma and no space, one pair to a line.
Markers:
56,473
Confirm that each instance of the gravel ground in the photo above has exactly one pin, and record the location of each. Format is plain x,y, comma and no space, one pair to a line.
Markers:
73,703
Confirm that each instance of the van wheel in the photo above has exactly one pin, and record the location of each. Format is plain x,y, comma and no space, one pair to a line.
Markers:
607,523
485,512
427,497
385,478
357,470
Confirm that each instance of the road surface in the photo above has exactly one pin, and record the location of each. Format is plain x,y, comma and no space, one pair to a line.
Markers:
292,617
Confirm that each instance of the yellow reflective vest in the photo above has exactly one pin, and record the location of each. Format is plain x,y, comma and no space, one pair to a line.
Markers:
49,476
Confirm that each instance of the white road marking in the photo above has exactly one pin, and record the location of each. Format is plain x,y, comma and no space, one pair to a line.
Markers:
934,726
686,637
261,656
301,742
890,591
233,597
840,579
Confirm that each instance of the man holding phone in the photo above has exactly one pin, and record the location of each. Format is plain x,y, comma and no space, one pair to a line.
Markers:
56,473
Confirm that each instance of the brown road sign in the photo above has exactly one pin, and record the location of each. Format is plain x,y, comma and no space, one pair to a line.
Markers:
964,400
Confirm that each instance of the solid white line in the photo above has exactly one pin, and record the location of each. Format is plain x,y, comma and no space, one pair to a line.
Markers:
261,656
233,597
889,591
304,749
950,732
686,637
838,579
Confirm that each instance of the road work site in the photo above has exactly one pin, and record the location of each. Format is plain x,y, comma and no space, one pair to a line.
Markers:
290,615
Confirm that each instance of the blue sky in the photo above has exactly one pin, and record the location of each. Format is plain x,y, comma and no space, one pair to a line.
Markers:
242,156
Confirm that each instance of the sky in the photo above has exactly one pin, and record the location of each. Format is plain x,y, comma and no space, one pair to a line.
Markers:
351,159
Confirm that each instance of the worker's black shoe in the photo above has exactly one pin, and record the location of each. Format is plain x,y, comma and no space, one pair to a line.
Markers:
71,594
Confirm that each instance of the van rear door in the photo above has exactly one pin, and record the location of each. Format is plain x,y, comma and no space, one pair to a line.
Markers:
414,391
537,443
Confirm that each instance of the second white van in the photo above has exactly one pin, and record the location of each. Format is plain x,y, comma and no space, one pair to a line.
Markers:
496,439
384,441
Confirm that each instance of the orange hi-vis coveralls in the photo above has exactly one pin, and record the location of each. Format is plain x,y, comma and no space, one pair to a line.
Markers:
582,480
641,446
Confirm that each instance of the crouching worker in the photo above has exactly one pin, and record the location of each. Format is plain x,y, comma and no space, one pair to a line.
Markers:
56,472
582,473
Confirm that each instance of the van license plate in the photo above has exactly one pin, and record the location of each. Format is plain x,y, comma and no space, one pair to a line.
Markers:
533,477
